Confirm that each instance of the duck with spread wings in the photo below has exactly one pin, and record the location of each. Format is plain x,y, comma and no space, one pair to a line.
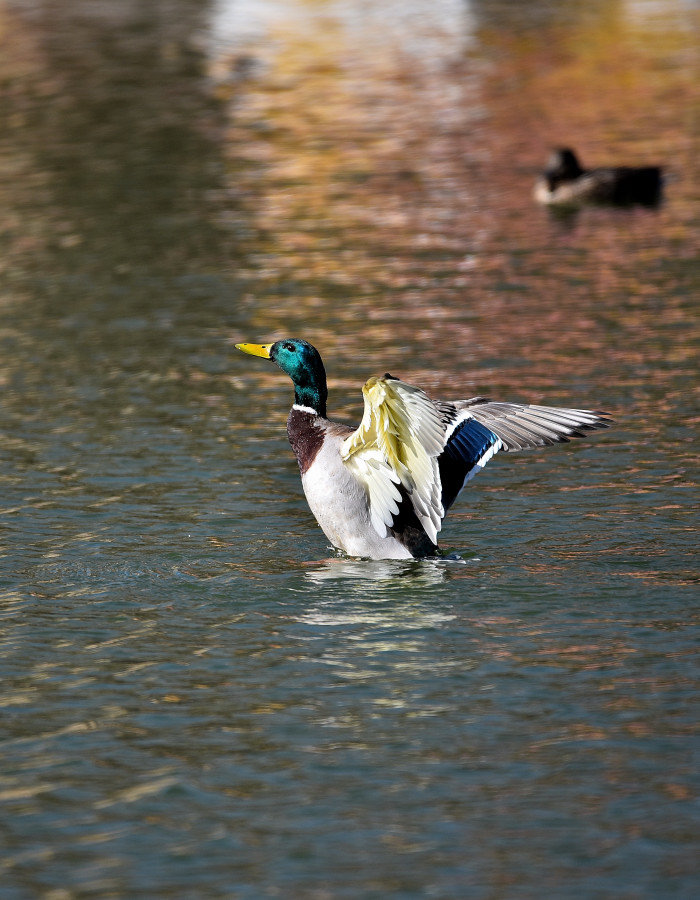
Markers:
381,490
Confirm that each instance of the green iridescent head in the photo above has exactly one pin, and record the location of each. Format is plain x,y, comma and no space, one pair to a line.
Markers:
302,362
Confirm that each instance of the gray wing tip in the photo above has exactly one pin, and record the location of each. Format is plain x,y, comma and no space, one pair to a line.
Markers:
602,420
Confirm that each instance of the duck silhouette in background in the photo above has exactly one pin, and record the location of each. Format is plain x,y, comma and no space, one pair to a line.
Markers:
566,183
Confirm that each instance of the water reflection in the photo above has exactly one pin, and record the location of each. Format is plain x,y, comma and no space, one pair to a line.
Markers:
376,595
387,614
117,268
541,14
190,704
114,122
379,575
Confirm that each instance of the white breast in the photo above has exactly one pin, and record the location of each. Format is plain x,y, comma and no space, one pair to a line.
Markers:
340,505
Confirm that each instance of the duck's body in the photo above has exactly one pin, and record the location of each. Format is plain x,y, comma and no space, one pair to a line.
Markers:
566,183
381,491
335,496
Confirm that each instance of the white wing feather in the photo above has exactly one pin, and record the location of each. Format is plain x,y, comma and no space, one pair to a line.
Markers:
397,443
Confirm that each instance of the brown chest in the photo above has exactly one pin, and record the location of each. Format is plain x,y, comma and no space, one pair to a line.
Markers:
306,433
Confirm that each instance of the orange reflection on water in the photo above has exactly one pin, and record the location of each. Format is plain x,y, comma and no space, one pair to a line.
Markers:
392,198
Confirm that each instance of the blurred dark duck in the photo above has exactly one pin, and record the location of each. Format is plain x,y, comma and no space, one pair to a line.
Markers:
565,182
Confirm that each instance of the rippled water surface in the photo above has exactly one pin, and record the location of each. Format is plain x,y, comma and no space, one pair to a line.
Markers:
198,699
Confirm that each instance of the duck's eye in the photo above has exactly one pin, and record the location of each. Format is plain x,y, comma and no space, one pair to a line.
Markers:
288,346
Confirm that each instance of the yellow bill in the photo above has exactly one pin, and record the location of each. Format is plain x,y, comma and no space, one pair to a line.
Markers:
255,349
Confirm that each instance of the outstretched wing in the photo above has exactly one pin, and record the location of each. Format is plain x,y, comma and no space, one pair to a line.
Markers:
410,445
524,426
476,429
397,445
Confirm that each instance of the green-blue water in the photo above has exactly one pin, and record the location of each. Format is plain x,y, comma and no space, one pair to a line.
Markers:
197,698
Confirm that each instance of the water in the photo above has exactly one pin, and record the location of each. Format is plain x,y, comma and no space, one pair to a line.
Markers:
198,698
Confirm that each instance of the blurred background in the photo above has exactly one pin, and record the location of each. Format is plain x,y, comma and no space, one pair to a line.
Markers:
198,698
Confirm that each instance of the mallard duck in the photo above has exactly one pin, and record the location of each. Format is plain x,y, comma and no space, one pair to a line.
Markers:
382,490
566,183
